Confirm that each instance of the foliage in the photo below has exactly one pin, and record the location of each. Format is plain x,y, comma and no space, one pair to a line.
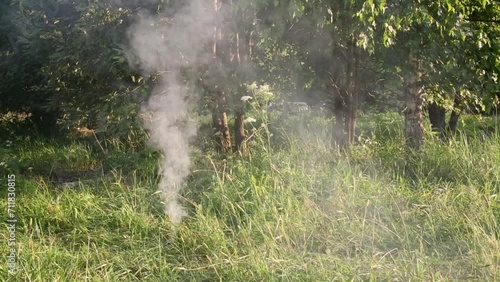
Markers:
72,63
290,207
452,44
69,60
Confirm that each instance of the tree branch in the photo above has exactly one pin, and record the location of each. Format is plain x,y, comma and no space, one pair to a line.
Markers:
483,20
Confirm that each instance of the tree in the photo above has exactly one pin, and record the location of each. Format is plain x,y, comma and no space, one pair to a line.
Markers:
64,64
318,40
241,57
425,35
231,68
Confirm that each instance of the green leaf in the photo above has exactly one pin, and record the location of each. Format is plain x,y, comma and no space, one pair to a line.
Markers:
381,5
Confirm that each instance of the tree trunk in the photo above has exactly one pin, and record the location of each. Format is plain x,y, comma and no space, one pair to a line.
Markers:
349,119
452,125
226,136
346,105
239,133
354,89
339,134
241,57
414,128
45,122
351,122
220,121
437,117
455,115
219,111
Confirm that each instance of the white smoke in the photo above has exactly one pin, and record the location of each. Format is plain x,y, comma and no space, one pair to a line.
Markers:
168,47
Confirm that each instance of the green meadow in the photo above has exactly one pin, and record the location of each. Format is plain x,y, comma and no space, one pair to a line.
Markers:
291,209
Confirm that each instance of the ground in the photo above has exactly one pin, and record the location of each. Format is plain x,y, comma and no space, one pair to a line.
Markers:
300,211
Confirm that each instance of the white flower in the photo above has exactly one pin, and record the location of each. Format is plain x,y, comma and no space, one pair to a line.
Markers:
268,94
246,98
2,164
252,86
249,120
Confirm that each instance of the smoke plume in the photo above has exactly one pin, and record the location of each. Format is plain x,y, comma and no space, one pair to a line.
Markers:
168,47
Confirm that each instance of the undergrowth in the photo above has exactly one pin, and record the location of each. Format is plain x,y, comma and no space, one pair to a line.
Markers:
291,209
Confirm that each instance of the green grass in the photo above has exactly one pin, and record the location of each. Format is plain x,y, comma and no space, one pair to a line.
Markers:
298,212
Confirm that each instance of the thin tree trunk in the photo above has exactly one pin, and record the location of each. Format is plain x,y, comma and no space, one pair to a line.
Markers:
239,133
239,126
351,98
455,115
220,119
355,92
452,125
242,54
414,128
352,116
226,136
219,111
220,123
217,125
339,134
348,93
349,118
437,117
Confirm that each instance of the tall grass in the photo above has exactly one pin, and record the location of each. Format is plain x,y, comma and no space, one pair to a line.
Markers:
299,211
